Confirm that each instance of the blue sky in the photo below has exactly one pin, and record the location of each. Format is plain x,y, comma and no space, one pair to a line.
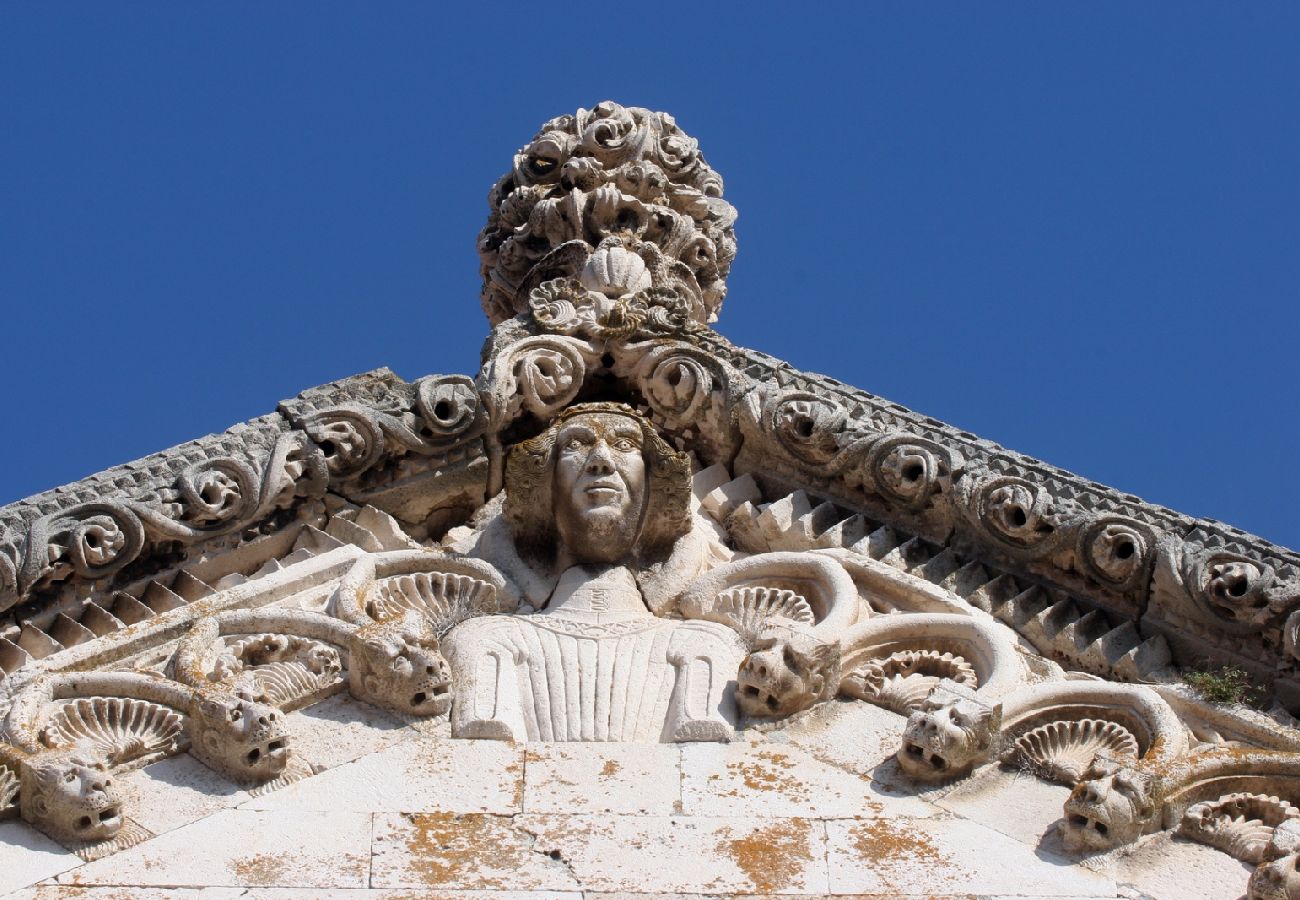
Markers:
1073,229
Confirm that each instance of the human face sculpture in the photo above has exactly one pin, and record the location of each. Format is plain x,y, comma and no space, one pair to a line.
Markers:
599,486
69,794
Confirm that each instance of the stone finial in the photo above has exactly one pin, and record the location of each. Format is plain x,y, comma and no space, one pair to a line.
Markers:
615,203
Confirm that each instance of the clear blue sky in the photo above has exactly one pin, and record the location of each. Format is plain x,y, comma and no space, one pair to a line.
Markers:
1070,228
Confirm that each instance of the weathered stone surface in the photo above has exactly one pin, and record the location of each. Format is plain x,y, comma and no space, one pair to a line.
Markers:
579,778
292,848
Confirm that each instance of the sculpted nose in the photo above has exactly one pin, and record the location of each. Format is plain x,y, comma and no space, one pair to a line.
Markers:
600,461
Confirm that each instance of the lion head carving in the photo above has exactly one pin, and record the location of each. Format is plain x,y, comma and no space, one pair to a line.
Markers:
398,665
69,794
788,671
949,735
238,736
1112,805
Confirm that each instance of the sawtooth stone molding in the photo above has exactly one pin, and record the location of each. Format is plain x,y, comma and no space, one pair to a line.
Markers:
626,532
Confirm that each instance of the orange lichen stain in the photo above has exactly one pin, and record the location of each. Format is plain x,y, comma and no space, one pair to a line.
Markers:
261,868
611,768
771,856
882,843
771,773
453,850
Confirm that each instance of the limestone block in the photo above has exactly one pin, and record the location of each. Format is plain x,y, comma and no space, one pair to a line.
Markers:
987,797
774,779
176,792
341,729
27,856
1169,867
418,775
291,848
450,851
631,779
926,857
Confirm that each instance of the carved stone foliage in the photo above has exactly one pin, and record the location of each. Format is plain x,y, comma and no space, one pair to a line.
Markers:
609,222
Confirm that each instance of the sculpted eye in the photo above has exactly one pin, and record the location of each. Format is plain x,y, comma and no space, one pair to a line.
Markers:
573,444
70,777
624,445
236,714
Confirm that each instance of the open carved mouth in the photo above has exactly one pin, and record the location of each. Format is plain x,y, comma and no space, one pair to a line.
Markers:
434,694
918,754
272,751
110,817
1086,823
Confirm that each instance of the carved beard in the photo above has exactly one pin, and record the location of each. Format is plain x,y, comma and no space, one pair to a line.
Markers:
598,536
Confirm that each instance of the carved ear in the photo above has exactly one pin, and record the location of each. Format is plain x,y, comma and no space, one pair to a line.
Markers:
816,683
995,718
40,806
211,742
371,684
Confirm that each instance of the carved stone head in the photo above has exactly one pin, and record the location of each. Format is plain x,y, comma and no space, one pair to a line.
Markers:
397,665
1276,879
949,735
242,738
600,484
69,794
611,203
1112,805
788,671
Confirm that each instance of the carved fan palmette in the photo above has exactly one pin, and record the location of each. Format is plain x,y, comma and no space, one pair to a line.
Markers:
901,681
444,598
1063,750
748,609
127,730
1240,825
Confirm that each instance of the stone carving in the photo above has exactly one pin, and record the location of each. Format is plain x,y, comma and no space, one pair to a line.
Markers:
1116,802
1278,875
595,493
952,731
902,680
1241,825
830,543
1062,750
609,217
1039,726
395,664
121,729
70,795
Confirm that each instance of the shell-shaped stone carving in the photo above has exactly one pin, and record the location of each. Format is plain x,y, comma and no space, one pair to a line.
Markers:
1240,825
128,730
902,680
747,609
283,684
444,598
1063,750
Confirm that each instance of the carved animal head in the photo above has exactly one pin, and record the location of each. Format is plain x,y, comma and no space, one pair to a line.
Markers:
397,665
949,735
242,738
1277,879
1112,805
788,671
69,794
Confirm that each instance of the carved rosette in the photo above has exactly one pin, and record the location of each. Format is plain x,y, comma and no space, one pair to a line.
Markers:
908,471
